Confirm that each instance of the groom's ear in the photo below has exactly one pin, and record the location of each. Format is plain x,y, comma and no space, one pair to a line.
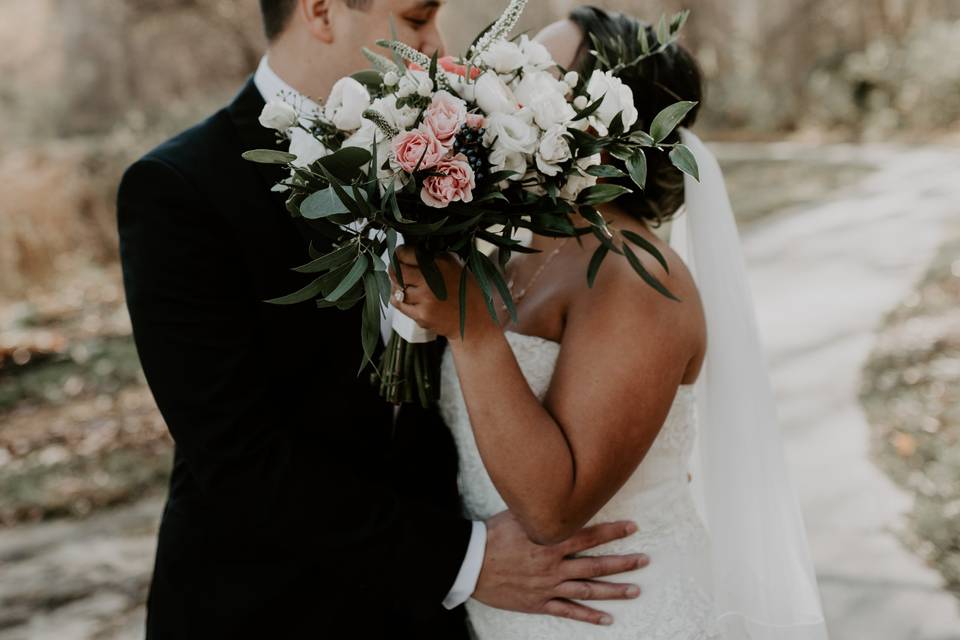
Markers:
318,18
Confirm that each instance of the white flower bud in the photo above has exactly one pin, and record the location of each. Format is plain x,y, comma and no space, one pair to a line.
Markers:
572,78
278,115
390,78
581,103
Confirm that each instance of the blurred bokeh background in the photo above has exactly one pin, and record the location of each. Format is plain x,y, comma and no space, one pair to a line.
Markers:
838,126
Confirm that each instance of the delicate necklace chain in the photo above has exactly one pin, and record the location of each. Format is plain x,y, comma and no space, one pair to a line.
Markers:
517,297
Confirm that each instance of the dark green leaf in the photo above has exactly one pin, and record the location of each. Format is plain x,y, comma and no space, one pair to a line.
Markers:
683,159
369,77
602,193
642,137
330,260
595,263
605,171
464,274
322,204
310,291
590,109
647,246
668,119
646,275
353,276
269,156
477,268
493,275
346,163
431,273
637,168
616,126
341,193
370,328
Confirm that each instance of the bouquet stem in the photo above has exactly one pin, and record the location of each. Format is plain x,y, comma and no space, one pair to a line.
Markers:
410,372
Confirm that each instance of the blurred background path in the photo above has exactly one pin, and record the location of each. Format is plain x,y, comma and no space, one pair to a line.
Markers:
823,279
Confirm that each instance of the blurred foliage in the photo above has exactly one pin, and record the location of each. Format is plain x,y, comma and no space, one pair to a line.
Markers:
911,393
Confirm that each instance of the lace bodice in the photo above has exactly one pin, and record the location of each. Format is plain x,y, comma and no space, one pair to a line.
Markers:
674,606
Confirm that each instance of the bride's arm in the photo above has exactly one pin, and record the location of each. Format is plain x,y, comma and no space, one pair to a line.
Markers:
558,463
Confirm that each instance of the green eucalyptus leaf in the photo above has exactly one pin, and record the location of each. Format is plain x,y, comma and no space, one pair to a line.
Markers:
605,171
431,273
642,138
493,275
601,194
346,163
646,275
647,246
370,327
331,260
683,159
310,291
595,262
478,271
322,204
268,156
353,277
637,168
668,120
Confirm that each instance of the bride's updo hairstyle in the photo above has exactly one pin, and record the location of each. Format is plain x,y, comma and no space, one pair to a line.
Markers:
657,82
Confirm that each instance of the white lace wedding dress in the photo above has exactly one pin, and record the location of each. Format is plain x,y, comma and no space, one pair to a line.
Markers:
673,604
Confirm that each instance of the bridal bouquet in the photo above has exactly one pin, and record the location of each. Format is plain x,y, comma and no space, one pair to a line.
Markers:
454,154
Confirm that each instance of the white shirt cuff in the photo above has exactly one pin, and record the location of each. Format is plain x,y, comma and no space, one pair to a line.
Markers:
466,582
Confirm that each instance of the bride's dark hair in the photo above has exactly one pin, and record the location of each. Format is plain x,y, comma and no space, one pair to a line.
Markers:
657,82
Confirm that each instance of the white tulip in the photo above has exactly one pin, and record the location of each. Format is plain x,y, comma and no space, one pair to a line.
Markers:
554,150
617,98
278,115
346,104
493,96
307,148
504,57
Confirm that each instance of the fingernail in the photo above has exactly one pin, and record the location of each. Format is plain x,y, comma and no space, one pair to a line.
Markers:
643,561
606,621
633,592
631,528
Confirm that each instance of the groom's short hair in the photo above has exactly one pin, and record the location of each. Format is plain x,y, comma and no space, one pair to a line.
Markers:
276,13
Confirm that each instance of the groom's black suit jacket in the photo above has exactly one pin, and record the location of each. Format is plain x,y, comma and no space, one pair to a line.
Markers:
296,508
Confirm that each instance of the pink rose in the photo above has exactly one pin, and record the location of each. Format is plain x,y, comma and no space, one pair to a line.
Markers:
476,121
445,116
453,181
417,148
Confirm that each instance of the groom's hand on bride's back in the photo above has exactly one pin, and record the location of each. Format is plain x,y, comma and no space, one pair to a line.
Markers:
520,575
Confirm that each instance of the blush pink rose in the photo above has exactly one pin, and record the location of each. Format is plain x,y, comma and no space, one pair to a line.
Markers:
417,148
445,116
453,181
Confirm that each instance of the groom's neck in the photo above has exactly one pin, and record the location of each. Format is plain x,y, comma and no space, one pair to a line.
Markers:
305,66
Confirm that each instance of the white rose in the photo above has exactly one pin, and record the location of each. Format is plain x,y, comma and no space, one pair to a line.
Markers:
307,148
415,83
493,96
503,160
346,104
511,134
400,117
579,179
504,57
617,98
278,115
554,150
537,55
544,95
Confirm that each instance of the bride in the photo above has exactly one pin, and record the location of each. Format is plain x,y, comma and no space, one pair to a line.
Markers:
586,409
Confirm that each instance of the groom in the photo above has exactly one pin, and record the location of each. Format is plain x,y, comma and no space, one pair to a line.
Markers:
297,508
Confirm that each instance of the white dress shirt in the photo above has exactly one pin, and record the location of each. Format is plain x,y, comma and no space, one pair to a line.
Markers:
273,87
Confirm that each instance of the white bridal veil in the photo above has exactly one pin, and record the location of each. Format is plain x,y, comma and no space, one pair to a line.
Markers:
763,579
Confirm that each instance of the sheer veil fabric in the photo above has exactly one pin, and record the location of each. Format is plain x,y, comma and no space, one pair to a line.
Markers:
764,584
